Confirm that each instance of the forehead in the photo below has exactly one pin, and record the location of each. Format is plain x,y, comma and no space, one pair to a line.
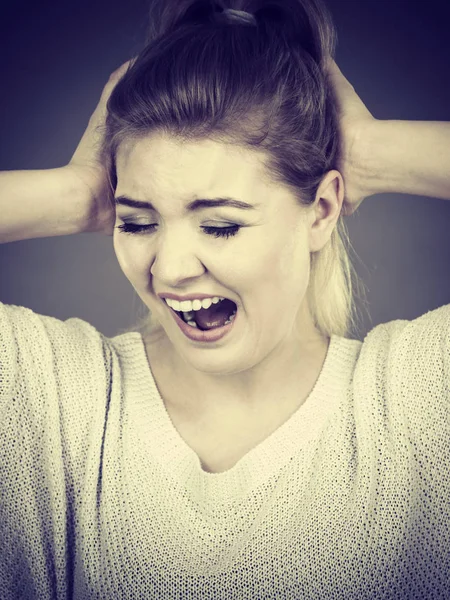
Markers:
160,164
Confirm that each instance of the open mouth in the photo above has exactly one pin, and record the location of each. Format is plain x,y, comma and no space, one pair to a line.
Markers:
217,315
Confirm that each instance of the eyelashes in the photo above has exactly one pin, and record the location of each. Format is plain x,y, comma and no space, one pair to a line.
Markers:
224,232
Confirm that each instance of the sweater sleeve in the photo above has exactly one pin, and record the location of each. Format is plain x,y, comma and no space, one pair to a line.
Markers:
417,355
43,359
412,368
54,383
419,370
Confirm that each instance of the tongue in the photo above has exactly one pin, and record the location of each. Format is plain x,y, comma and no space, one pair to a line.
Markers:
215,315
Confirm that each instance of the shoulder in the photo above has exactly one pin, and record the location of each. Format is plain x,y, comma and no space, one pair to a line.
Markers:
21,328
403,373
38,350
417,347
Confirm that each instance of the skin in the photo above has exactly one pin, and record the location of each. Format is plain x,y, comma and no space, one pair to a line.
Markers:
264,269
359,131
377,156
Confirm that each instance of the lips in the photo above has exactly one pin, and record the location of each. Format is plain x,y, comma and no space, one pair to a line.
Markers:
198,335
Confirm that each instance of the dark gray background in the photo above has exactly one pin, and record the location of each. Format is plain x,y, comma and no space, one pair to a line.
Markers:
57,56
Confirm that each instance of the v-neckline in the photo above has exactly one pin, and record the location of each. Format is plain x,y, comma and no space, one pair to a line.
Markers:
261,461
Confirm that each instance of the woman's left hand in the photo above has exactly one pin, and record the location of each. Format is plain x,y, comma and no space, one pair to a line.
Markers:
355,122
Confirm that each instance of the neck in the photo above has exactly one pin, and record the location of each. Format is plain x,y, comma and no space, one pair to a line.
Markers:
288,373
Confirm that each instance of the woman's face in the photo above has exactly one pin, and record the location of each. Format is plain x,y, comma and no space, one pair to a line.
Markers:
263,268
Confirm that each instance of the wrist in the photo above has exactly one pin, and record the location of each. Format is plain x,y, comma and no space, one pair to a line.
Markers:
407,157
75,196
89,193
40,203
372,164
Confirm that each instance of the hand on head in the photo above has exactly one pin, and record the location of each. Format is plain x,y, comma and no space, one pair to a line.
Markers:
86,162
355,121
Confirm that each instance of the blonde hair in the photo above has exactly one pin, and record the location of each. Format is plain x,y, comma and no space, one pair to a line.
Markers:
334,286
264,86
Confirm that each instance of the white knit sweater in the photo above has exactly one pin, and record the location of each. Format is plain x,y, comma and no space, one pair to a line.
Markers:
100,497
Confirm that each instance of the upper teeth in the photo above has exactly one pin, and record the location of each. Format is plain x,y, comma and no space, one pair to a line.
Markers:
189,305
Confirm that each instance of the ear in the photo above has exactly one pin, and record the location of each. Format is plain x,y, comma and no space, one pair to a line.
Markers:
326,210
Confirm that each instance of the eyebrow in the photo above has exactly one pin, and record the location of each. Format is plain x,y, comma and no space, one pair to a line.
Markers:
192,206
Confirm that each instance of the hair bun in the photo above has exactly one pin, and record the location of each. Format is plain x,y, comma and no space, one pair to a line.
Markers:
301,22
305,24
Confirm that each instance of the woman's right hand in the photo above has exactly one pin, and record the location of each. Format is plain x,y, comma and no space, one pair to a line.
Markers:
87,167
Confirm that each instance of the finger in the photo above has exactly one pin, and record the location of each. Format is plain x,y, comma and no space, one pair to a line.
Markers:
118,73
113,80
341,83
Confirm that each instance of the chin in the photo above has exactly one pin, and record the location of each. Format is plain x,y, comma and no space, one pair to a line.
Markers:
220,366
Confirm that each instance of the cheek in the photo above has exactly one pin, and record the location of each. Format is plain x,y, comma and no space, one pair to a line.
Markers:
131,258
294,258
285,259
294,266
283,270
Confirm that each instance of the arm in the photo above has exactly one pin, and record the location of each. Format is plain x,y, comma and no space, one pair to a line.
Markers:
408,157
72,199
376,156
42,203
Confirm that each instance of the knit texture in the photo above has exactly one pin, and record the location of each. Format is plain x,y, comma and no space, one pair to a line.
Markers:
101,498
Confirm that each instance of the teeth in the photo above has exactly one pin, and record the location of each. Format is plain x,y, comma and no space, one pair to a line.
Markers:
194,324
187,308
206,303
230,319
173,304
188,318
190,305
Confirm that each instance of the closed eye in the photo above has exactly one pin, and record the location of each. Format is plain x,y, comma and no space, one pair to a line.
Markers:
133,228
215,231
222,231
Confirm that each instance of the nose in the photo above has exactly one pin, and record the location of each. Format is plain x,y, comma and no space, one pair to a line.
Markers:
176,260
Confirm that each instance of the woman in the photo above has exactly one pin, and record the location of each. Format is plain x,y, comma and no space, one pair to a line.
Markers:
238,445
